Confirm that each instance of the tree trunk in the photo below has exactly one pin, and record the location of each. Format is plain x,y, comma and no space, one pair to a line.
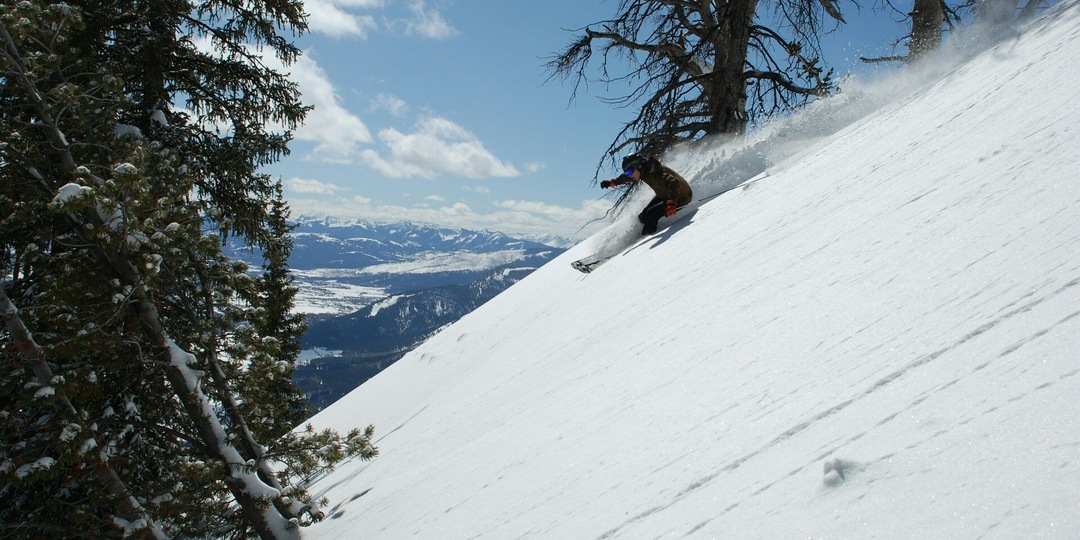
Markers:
927,16
726,85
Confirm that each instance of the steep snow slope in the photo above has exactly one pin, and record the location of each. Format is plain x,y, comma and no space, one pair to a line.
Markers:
878,337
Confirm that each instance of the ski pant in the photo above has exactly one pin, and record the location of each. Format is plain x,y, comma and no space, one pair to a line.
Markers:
652,214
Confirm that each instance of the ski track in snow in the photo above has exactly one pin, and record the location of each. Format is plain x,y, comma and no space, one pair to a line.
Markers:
874,335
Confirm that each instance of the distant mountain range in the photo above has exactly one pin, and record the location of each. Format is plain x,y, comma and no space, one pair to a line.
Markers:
342,266
374,291
330,243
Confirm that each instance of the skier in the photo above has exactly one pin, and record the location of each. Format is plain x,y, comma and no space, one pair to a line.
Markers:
671,190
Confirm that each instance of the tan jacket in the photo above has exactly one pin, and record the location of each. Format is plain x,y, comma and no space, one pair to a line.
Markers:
666,183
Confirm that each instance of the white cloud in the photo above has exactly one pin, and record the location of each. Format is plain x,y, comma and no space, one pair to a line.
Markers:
436,198
308,185
510,216
428,23
535,166
588,210
329,17
339,18
390,103
334,129
438,146
458,209
366,4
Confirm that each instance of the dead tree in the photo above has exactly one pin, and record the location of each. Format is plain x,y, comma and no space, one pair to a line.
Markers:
701,67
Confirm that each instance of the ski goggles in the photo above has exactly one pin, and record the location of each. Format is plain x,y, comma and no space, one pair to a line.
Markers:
629,172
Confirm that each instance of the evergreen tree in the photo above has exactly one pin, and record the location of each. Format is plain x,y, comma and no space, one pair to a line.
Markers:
144,375
271,368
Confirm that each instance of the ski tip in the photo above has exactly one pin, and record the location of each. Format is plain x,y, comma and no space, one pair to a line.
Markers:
581,267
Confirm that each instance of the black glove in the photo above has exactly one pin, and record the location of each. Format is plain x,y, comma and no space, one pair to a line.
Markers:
606,184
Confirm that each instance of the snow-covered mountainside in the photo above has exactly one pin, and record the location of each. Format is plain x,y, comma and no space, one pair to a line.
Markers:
876,335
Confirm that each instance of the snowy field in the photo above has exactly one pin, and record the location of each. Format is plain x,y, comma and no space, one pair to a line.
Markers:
875,335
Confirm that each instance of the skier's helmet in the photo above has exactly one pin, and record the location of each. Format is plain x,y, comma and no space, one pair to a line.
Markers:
634,161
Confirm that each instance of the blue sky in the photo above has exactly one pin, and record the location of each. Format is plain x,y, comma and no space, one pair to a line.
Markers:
438,111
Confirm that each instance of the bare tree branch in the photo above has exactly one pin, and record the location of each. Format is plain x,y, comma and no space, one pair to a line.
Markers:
690,65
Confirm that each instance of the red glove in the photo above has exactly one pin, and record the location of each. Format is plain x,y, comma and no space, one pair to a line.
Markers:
670,209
